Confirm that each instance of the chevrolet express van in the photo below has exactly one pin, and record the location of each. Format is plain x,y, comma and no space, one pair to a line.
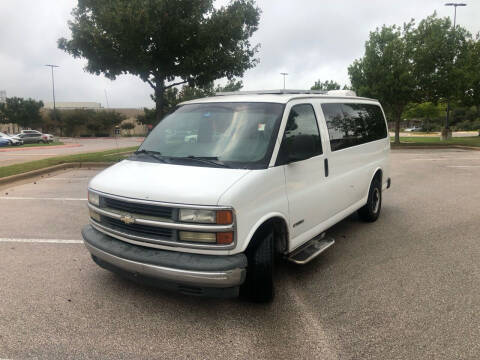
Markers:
225,186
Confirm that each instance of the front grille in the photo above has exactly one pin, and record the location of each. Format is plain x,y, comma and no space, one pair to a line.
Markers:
137,229
138,208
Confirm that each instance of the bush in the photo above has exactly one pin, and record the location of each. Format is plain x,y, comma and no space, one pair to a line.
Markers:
468,125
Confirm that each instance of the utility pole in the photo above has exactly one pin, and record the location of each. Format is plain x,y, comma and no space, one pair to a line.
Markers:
284,75
446,133
53,89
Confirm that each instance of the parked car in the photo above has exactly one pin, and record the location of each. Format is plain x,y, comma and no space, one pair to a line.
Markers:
47,138
267,175
31,136
13,140
413,129
4,142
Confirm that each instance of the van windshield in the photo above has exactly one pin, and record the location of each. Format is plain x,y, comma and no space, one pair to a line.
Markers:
237,135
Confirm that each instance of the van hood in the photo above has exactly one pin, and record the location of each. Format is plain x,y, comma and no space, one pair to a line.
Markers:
166,182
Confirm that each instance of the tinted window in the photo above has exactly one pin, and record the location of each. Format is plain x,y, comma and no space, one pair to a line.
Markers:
353,124
301,139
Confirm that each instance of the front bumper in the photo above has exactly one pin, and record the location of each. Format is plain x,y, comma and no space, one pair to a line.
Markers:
197,274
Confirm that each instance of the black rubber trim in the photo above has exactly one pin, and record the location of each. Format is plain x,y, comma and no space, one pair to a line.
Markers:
171,259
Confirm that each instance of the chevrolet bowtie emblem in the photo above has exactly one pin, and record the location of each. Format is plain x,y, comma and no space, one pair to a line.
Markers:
127,219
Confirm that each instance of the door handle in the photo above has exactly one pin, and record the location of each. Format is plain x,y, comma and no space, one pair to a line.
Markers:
325,163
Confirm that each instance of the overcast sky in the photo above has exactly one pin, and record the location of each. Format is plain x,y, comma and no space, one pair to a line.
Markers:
308,39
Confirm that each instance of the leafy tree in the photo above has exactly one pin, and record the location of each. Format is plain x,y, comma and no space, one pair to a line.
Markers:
149,117
3,114
472,94
439,53
128,126
385,72
164,42
232,85
325,86
23,112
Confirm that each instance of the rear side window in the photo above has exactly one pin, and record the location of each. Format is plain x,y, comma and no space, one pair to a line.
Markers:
353,124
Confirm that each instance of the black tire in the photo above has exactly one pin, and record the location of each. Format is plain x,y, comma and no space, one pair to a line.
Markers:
258,285
371,211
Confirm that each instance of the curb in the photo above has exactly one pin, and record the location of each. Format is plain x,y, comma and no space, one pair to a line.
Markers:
34,173
41,147
406,147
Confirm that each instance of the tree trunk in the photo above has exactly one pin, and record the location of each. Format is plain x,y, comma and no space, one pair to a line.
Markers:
159,90
397,117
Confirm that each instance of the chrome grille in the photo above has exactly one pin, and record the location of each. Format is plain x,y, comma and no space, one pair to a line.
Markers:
137,229
136,208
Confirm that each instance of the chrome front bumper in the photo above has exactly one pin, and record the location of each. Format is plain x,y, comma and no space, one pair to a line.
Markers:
210,271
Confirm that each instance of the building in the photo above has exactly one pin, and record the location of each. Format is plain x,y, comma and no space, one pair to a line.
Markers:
73,105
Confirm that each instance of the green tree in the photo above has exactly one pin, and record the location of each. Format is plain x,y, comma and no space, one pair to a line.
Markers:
23,112
232,85
128,126
149,117
472,94
439,55
385,72
164,42
325,86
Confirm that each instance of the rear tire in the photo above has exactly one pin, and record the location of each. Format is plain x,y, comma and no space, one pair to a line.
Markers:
258,286
371,211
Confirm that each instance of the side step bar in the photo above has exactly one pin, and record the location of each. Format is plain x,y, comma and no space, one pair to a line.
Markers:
311,249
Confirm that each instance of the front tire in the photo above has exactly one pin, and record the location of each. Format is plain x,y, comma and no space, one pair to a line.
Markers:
371,211
258,286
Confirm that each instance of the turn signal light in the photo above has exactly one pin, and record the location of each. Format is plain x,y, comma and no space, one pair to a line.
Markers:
225,238
224,217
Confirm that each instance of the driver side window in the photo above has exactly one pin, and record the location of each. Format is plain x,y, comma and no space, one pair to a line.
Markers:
301,139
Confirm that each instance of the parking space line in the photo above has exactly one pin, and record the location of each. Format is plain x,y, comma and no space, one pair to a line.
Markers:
49,241
43,199
441,159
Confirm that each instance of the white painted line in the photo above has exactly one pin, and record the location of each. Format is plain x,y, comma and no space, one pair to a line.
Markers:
50,241
441,159
43,199
29,154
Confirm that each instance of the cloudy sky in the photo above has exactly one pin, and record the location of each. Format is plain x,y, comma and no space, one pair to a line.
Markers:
308,39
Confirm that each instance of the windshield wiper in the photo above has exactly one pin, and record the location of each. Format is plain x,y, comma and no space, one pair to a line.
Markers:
155,154
211,160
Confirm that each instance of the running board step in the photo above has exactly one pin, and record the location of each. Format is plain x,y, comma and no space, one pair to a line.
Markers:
311,250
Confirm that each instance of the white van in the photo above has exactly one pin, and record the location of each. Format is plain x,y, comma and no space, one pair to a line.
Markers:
226,185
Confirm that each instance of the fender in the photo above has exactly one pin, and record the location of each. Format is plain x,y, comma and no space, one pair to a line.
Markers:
260,222
371,178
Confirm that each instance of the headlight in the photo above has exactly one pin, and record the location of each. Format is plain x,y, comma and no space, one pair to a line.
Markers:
198,216
93,198
220,217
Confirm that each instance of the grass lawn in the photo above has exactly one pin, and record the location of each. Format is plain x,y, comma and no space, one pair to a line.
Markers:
435,141
103,156
42,144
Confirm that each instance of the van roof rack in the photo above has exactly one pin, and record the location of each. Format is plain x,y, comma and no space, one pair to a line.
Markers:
289,91
271,92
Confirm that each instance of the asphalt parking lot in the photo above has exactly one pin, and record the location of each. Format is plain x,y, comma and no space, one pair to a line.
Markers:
14,155
405,287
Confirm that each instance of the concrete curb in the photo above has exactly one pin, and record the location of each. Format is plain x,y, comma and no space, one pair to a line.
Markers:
35,173
406,147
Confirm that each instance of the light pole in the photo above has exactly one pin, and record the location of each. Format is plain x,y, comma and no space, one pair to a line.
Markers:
284,75
53,88
446,134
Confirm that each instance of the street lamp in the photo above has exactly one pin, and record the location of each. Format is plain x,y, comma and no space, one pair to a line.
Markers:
446,133
455,16
53,87
284,75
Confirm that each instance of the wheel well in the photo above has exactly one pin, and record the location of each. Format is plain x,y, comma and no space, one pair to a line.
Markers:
378,175
280,234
